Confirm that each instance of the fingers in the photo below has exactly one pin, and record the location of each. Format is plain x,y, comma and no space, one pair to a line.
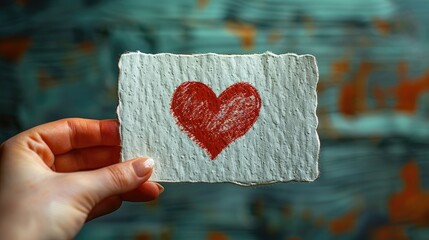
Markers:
117,179
87,159
147,191
64,135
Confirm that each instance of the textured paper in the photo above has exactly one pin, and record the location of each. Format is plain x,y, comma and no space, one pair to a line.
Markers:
281,145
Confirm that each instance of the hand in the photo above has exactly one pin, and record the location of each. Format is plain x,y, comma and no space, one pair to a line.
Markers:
56,176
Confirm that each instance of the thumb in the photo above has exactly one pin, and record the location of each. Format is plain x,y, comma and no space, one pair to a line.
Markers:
119,178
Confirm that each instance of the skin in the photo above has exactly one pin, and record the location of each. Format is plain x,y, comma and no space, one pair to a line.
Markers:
57,176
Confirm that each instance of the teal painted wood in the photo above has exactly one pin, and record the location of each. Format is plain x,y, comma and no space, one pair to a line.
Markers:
59,59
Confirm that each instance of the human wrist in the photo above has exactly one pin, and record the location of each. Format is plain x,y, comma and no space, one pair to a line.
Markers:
17,223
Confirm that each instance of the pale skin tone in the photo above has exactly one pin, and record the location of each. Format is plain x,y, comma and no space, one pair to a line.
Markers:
57,176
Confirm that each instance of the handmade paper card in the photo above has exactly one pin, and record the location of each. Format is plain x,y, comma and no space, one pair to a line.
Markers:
245,119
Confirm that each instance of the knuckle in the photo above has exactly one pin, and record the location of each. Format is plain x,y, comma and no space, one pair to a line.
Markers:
119,177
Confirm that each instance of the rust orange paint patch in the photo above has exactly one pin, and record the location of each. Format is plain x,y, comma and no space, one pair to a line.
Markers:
352,98
389,233
14,48
340,67
216,235
382,26
201,4
274,36
408,91
45,80
246,32
344,224
348,99
143,236
411,204
86,46
407,94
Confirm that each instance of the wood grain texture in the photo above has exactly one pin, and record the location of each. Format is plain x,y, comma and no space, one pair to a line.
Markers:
373,106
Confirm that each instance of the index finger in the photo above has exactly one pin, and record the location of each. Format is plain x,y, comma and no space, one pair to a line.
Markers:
64,135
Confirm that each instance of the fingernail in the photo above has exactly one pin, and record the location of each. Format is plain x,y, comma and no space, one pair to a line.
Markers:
142,167
160,188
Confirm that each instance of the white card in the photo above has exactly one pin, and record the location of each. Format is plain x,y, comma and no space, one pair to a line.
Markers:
244,119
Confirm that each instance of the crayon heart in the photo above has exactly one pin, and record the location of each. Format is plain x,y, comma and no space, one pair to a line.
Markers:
215,122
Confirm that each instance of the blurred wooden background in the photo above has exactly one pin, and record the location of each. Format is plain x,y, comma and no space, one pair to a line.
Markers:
59,59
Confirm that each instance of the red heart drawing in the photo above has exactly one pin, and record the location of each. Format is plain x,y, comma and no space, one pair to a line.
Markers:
215,122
